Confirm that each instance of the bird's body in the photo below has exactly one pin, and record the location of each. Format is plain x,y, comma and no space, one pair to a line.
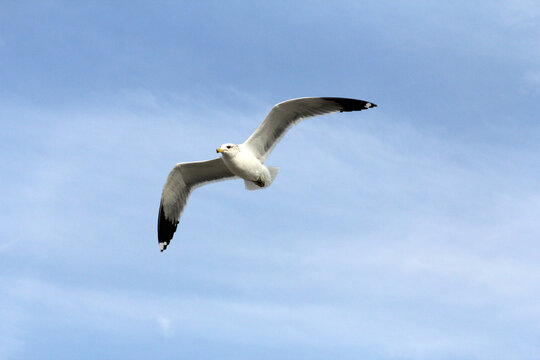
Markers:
245,161
244,164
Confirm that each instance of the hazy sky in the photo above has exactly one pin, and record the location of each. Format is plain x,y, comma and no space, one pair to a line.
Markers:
410,231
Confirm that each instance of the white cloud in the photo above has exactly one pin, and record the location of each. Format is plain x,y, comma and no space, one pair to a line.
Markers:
165,325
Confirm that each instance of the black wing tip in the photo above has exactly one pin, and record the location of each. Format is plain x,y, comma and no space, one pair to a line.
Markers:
163,246
166,229
348,105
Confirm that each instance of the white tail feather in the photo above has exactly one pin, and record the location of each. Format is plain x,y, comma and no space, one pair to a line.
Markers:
271,175
250,185
273,170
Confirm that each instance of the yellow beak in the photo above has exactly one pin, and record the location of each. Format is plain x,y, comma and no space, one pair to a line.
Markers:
220,150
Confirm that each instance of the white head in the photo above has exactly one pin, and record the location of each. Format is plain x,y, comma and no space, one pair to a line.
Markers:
228,149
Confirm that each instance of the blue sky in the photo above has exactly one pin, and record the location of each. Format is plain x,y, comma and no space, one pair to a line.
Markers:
405,232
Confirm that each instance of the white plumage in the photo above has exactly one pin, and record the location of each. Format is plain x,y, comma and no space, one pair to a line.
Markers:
245,161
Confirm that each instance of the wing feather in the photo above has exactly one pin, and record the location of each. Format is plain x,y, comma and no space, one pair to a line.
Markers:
288,113
182,179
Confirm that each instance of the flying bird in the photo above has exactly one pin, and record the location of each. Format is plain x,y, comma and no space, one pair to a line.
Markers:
245,161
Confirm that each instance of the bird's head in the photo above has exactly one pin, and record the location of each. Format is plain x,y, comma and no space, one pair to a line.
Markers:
228,149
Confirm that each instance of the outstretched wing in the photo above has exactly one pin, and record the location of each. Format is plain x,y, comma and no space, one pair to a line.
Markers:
183,178
288,113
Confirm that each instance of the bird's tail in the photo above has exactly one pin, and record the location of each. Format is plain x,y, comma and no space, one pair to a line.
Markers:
273,170
254,185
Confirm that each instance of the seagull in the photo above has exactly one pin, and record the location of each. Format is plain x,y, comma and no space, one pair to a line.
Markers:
244,161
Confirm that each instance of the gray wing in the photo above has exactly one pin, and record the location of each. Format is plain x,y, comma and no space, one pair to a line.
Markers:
288,113
183,178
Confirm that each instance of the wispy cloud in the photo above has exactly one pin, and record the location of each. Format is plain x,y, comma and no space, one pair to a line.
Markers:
416,232
406,231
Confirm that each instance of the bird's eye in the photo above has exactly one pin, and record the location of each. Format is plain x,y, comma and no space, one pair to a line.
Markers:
228,146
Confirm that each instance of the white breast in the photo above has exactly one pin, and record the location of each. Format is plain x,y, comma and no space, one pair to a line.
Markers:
244,164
